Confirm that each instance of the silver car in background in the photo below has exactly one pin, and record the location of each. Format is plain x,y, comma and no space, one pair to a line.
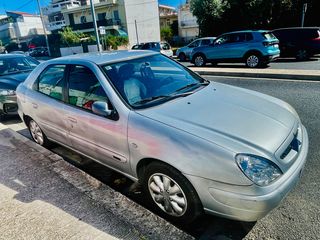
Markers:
195,146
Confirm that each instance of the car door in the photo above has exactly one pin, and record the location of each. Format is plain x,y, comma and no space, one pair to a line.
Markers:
191,46
47,102
104,139
218,49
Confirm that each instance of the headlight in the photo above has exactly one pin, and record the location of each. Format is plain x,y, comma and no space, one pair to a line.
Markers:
259,170
7,92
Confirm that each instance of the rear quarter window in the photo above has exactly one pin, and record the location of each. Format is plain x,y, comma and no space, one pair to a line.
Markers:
268,36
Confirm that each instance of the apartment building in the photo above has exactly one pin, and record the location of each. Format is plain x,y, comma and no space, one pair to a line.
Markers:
168,15
19,27
55,19
137,19
188,26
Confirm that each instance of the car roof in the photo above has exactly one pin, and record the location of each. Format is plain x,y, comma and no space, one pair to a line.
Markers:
11,55
106,57
246,31
297,28
204,38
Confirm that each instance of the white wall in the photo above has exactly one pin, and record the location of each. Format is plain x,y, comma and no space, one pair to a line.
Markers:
71,50
146,13
31,25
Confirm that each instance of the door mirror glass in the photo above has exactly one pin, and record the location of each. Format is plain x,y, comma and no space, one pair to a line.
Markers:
101,109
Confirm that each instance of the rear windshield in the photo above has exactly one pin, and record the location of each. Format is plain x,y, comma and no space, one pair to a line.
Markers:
268,36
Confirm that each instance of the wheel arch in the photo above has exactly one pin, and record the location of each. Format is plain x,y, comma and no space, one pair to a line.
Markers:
253,51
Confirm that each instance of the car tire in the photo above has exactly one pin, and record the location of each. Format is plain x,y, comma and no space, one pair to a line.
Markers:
302,54
37,134
200,60
182,57
170,193
2,117
253,60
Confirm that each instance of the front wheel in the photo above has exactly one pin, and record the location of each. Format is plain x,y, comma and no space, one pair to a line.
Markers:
182,57
302,54
200,60
253,60
171,194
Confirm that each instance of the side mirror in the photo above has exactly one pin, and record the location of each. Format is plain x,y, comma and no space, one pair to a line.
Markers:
101,109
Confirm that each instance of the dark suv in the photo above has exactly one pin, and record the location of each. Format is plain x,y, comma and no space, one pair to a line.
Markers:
254,48
301,43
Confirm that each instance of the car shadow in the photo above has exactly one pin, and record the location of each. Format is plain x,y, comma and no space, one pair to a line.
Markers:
206,227
33,186
293,60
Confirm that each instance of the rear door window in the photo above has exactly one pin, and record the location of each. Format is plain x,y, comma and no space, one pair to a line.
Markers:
51,81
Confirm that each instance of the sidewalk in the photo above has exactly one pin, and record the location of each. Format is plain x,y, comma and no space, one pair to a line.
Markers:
311,75
44,197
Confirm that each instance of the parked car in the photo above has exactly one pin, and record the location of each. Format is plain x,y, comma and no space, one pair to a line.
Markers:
14,69
137,46
195,146
301,43
39,52
18,52
162,47
254,48
185,52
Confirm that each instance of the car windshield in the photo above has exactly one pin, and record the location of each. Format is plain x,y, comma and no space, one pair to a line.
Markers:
152,80
13,65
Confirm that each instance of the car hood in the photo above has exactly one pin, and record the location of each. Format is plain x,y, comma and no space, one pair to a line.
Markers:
234,118
11,81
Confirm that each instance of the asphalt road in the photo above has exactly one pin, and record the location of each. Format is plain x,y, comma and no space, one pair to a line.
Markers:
282,63
298,216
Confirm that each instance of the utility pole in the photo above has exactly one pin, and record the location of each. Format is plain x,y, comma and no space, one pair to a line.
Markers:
95,25
304,10
135,24
44,28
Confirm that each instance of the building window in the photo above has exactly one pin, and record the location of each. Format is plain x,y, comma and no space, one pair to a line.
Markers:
101,16
83,19
116,15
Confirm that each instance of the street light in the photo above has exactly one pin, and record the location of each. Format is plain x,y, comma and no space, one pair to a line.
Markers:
304,10
95,25
44,28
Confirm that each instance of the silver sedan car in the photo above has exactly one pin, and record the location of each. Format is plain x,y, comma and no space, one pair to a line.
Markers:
195,146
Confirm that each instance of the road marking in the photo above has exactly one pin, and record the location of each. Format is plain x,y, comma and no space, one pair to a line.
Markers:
259,79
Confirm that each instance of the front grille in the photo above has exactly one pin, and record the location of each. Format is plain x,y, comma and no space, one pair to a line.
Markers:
294,145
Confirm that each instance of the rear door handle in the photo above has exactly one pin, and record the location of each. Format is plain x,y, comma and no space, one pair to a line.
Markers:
34,105
73,120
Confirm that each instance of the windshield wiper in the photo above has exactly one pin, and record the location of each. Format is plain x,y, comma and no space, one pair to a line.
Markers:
150,99
192,85
167,97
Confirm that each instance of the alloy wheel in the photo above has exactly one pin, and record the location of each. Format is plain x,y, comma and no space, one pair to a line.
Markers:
199,61
167,194
36,132
252,61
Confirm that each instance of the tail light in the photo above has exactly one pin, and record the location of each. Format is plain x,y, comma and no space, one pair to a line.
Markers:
269,44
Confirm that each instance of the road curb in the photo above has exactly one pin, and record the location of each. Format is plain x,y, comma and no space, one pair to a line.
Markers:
147,223
258,75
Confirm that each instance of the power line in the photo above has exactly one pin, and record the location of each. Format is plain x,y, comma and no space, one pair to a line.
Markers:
27,3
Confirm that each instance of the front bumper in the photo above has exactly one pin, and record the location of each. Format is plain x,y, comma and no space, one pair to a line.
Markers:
249,203
8,105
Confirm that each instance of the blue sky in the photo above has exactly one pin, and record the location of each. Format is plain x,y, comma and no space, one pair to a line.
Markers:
31,5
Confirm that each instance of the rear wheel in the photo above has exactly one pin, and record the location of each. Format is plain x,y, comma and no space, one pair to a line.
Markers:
37,135
182,57
170,193
302,54
200,60
253,60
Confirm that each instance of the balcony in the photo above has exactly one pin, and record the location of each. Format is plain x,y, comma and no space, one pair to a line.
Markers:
189,23
57,7
56,25
108,23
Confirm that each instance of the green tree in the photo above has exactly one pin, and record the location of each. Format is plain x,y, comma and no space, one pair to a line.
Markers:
209,14
70,37
166,33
